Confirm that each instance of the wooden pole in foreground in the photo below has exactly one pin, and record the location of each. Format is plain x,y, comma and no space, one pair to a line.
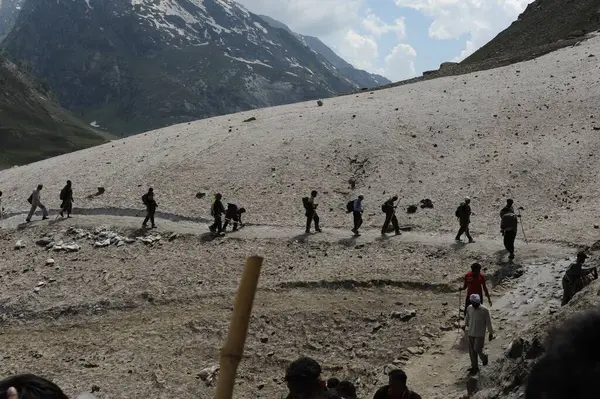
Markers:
232,351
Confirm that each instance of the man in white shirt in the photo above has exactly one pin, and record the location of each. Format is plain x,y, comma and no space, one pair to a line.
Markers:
357,214
36,201
477,321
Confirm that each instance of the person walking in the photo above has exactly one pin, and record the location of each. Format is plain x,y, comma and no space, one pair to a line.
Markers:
509,208
357,212
151,205
389,208
233,213
35,199
474,283
66,196
477,322
577,277
463,213
310,206
217,210
509,227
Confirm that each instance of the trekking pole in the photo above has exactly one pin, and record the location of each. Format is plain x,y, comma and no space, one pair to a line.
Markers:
522,227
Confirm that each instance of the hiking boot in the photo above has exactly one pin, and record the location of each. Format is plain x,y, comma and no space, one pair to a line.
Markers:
473,370
153,227
144,226
471,241
457,239
398,233
318,230
61,215
307,231
511,256
27,221
45,217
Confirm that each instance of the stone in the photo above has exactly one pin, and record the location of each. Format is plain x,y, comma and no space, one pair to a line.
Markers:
320,103
49,261
314,346
101,190
129,240
596,127
101,244
376,328
415,350
250,119
404,315
200,195
576,33
264,340
208,374
19,244
173,236
412,209
426,203
516,349
71,247
44,241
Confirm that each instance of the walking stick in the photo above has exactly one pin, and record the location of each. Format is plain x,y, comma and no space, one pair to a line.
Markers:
232,351
522,227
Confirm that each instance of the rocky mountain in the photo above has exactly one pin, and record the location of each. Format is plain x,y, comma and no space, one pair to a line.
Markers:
363,78
136,65
542,27
32,125
9,10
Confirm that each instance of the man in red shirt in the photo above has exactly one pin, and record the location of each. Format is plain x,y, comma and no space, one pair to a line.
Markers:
475,284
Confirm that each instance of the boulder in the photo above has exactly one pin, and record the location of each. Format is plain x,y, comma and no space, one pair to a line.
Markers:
412,209
49,261
404,315
208,374
516,349
426,203
19,244
44,241
101,244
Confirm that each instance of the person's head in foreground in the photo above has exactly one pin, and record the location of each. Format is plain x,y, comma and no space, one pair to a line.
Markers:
475,300
571,366
476,268
346,390
29,386
303,378
397,382
332,383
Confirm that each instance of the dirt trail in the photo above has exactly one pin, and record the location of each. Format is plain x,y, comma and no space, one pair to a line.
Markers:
442,372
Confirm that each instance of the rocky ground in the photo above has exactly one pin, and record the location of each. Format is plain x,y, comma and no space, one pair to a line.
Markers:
110,308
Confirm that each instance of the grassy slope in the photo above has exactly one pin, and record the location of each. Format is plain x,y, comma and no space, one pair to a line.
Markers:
32,126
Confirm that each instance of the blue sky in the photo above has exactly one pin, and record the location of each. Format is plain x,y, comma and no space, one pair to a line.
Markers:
396,38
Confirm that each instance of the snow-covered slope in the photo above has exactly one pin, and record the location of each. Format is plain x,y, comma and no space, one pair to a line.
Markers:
133,65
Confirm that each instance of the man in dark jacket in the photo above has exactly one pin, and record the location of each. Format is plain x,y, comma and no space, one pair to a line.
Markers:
389,209
66,196
233,213
509,227
151,206
311,212
397,388
304,382
463,213
509,208
217,210
576,277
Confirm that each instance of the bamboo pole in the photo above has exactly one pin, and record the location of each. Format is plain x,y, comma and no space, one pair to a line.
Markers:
232,351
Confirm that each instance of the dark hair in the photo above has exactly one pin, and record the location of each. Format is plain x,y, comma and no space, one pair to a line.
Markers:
150,190
69,182
346,390
302,376
40,186
509,201
242,210
218,196
475,265
332,382
395,198
398,375
313,193
570,365
30,386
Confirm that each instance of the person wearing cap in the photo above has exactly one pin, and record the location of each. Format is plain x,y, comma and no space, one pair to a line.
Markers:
463,213
303,378
477,322
357,214
396,389
475,284
576,277
509,208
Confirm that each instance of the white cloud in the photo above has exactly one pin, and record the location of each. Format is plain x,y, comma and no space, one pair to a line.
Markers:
376,26
361,51
400,62
481,20
310,17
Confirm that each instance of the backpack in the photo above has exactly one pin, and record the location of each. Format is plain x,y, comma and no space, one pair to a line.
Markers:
306,204
145,199
350,206
384,207
30,199
459,211
63,194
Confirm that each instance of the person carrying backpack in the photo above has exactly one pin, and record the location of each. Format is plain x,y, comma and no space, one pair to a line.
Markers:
35,199
233,213
389,209
151,205
217,210
357,212
311,211
463,213
509,227
66,196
